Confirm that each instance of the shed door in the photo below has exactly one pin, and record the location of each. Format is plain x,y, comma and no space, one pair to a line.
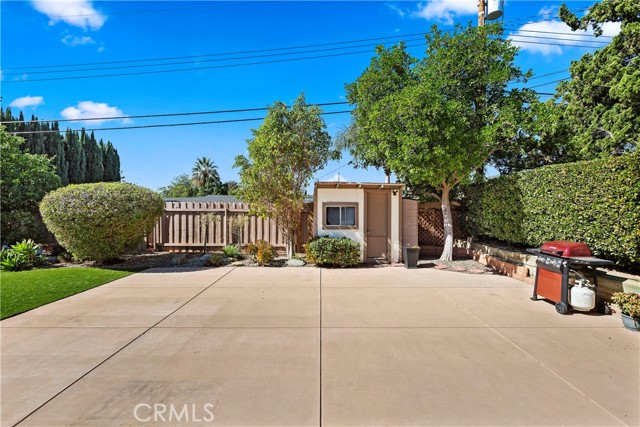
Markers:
377,231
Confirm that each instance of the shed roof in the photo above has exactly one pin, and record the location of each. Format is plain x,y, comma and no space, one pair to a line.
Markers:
364,185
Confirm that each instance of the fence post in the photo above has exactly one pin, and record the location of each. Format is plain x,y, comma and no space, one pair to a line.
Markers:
225,224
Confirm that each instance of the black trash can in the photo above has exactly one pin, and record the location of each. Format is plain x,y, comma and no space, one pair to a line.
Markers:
411,256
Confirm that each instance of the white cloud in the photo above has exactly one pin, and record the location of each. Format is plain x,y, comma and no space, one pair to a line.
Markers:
338,178
446,11
531,43
79,13
401,12
90,110
534,42
27,101
70,40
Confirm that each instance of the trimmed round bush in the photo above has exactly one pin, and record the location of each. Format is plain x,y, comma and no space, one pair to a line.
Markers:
101,221
333,251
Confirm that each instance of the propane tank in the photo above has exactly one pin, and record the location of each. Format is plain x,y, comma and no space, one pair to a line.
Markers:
582,296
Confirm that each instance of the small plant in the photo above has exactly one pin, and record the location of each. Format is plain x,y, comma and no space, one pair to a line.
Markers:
21,256
262,252
232,251
216,260
629,303
331,251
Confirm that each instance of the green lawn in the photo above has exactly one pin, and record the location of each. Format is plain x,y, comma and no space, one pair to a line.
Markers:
25,290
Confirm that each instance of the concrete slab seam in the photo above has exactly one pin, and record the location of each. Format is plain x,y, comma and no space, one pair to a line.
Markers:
118,351
539,362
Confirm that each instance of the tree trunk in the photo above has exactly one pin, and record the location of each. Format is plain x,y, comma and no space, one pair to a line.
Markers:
447,252
387,175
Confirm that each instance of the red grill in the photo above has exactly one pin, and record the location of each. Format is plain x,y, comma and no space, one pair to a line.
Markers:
565,249
556,261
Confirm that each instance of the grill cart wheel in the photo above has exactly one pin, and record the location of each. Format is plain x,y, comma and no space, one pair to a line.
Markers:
562,307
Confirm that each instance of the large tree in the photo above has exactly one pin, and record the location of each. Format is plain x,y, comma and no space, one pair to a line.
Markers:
180,186
601,101
389,72
441,128
205,177
290,146
25,179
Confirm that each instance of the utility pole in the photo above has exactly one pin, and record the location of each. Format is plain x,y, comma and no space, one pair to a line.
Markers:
481,9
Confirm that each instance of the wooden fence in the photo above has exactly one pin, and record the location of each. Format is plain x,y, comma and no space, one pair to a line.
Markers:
431,227
194,226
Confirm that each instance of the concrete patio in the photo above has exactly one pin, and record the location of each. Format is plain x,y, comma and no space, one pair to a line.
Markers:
309,347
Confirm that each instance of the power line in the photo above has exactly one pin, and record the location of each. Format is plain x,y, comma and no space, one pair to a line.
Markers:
191,113
196,113
250,63
198,68
169,58
545,84
334,170
601,43
556,32
163,125
397,36
208,60
279,54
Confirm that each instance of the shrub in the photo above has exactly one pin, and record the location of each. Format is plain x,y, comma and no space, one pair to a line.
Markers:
216,260
331,251
596,202
262,251
101,221
232,251
629,303
21,256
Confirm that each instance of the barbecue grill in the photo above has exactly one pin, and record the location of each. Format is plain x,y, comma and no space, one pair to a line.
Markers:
557,262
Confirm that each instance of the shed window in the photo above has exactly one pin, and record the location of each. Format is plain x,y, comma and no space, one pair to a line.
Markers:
340,216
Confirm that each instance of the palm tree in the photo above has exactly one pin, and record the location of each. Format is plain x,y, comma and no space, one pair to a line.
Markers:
204,174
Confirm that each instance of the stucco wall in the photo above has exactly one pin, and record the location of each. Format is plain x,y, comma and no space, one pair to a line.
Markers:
357,195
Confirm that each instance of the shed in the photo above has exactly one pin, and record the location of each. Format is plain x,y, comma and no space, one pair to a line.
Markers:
368,213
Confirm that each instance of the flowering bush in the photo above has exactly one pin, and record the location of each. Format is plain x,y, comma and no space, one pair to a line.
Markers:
263,252
101,221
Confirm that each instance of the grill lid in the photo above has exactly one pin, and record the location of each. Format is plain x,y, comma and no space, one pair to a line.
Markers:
565,249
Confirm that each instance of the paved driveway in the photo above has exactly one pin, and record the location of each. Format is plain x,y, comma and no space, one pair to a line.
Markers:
305,347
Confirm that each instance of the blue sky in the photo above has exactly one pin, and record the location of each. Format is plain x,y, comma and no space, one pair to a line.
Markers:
36,33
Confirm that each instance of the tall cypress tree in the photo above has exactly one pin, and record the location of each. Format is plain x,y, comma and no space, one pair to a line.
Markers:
74,156
95,167
108,161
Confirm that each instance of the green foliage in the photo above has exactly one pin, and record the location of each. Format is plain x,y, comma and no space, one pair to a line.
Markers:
596,202
205,178
232,251
21,256
26,290
629,303
180,186
332,251
101,221
216,260
389,72
262,251
25,179
290,146
434,125
601,101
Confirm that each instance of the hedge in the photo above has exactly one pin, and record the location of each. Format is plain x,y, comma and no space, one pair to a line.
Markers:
101,221
333,251
596,202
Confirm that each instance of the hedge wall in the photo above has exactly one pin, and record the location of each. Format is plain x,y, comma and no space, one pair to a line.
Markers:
596,202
